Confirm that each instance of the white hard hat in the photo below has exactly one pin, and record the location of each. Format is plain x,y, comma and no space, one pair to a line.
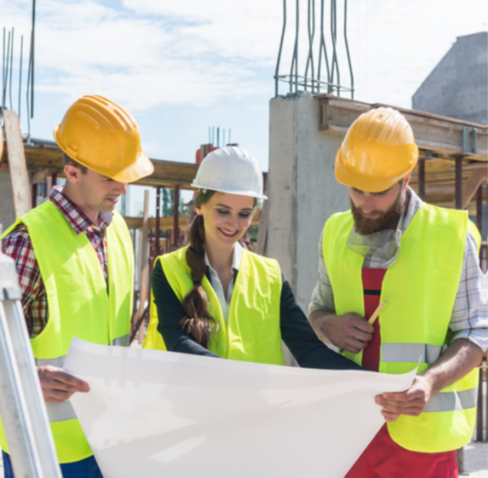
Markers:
231,170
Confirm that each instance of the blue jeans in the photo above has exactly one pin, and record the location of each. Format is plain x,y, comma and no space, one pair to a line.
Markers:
86,468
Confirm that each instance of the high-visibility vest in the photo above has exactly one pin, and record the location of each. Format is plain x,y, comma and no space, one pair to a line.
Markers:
252,332
420,289
78,305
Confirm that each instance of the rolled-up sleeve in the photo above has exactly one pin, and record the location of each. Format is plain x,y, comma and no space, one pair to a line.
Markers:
470,313
322,295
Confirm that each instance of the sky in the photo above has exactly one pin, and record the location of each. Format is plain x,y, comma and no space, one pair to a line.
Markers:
183,66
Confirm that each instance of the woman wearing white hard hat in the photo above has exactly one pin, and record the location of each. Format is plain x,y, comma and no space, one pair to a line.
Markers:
216,298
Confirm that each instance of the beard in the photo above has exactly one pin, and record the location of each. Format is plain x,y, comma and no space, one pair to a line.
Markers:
387,220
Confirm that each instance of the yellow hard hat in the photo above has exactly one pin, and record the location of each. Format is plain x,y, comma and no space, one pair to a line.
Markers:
378,151
103,136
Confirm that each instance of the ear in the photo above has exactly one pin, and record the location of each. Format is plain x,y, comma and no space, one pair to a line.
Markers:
72,173
198,210
406,181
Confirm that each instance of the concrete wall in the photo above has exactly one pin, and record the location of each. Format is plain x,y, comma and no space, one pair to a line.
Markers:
7,213
302,189
458,85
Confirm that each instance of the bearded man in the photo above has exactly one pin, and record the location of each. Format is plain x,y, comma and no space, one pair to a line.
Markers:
423,262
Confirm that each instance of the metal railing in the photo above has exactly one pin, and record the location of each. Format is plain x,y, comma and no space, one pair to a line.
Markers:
311,79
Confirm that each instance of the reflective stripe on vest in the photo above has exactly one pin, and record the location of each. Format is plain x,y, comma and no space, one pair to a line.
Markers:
412,353
80,304
59,412
452,401
420,289
252,332
122,341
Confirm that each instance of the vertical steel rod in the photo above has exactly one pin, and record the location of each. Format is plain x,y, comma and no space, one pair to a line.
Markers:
333,31
422,178
277,70
459,182
33,54
20,74
479,412
176,228
479,208
11,69
347,50
157,250
34,196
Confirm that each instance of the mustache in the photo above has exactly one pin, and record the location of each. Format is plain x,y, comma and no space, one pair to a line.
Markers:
386,220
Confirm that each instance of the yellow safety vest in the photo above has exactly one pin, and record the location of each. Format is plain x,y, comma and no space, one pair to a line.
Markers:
78,305
420,288
252,332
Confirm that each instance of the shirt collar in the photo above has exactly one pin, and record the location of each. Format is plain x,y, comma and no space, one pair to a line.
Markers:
78,220
236,259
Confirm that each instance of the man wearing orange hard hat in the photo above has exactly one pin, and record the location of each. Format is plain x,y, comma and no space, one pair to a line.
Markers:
74,258
418,265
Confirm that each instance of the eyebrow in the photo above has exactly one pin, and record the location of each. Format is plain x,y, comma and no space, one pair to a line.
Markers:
228,207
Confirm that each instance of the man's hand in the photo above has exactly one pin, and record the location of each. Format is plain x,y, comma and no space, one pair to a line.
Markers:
348,331
57,385
411,402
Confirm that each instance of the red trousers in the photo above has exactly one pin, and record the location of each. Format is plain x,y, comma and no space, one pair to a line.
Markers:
383,458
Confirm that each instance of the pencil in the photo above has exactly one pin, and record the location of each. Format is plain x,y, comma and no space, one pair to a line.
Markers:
377,312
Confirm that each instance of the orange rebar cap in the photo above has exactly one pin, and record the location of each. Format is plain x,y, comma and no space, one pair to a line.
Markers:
378,151
103,136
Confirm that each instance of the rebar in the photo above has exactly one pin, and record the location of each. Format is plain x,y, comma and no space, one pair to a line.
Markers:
322,48
347,50
11,69
277,70
20,73
333,34
313,69
32,55
311,34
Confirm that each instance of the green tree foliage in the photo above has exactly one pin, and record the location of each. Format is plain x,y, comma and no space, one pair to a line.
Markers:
168,203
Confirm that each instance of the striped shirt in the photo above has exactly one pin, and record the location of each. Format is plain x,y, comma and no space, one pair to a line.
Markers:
469,318
19,247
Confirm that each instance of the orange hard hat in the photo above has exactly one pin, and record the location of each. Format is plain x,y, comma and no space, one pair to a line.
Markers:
103,136
378,151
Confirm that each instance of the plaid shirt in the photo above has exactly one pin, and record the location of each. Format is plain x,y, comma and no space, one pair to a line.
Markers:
18,246
470,315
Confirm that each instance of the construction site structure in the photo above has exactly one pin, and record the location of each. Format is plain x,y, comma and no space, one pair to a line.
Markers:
458,85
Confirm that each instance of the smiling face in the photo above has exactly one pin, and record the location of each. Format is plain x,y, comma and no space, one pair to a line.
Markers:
226,218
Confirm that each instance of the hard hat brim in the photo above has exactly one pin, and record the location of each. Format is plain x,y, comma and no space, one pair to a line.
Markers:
252,194
353,179
141,168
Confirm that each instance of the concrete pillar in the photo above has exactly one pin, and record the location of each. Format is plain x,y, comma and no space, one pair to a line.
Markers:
7,213
302,190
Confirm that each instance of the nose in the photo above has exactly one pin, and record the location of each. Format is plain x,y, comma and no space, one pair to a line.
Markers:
122,188
233,222
368,204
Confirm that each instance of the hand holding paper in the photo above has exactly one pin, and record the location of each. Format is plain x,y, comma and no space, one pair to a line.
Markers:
153,414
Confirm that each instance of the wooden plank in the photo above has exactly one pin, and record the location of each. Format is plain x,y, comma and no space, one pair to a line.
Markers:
17,165
478,176
439,134
46,155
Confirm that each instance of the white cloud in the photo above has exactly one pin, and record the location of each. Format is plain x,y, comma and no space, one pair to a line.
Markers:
194,52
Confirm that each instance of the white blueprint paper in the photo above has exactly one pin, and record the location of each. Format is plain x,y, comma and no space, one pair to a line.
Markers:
162,414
